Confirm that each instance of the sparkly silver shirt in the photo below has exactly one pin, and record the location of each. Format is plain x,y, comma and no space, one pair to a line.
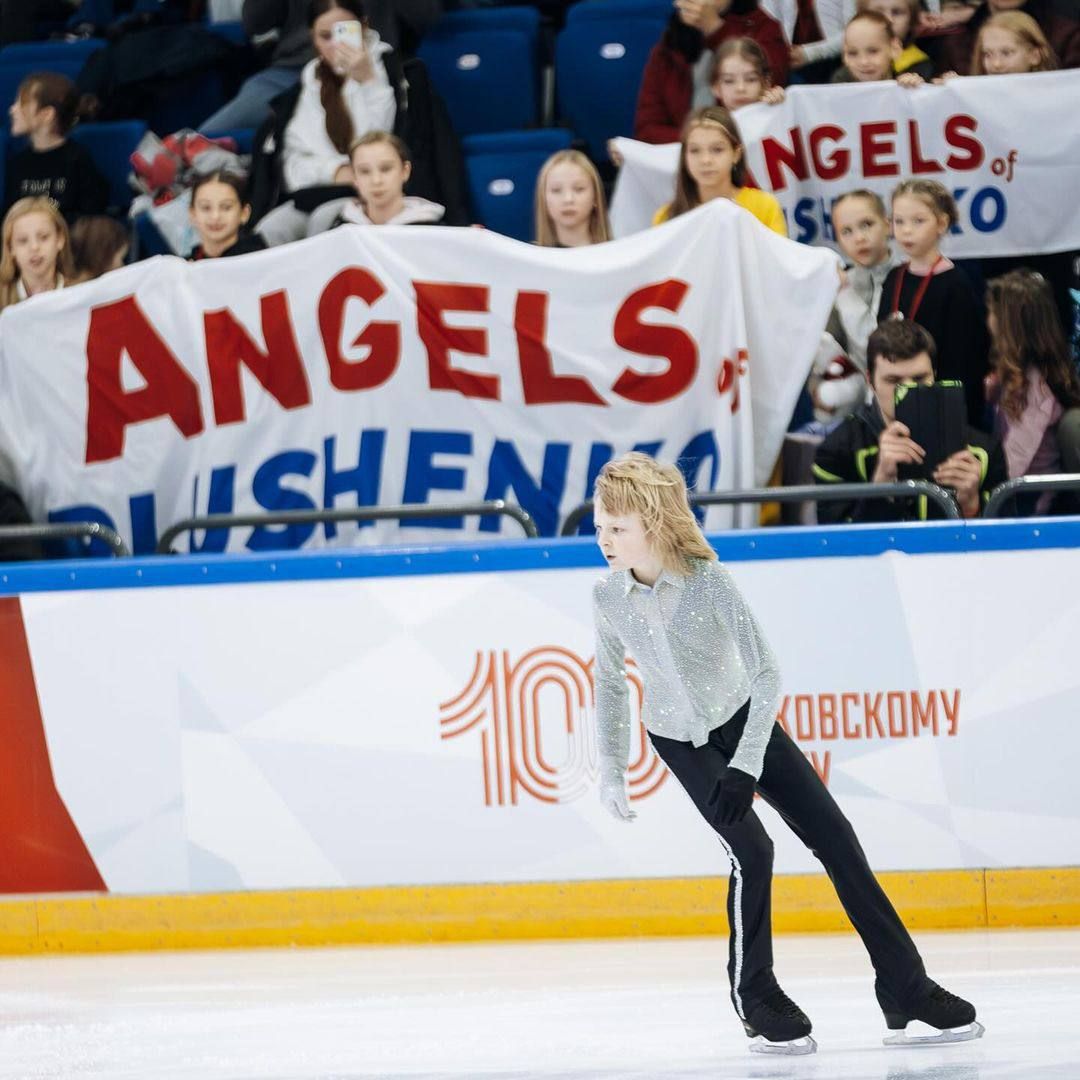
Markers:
700,652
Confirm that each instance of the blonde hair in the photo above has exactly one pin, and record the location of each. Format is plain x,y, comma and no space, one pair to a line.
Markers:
639,484
1026,30
599,227
9,270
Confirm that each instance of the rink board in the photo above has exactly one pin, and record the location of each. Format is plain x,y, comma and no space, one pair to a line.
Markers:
243,743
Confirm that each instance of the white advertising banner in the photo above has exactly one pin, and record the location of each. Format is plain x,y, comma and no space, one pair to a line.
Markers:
1015,183
439,728
406,365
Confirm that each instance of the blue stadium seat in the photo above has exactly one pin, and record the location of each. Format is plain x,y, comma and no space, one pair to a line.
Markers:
598,67
43,53
489,79
111,146
502,172
4,151
12,73
524,20
230,31
611,9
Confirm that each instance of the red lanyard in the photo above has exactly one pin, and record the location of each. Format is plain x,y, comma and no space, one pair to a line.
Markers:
920,292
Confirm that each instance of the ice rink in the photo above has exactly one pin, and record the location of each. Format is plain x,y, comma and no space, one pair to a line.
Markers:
634,1010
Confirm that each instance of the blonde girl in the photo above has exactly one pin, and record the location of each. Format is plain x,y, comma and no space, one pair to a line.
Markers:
1011,43
36,255
712,686
712,166
570,208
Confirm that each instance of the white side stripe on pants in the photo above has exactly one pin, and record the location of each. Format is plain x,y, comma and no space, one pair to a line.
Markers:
737,929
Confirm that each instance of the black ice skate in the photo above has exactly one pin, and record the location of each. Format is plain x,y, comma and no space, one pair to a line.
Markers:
776,1025
952,1016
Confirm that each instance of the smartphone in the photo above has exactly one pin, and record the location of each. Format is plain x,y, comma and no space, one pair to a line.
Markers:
349,32
935,416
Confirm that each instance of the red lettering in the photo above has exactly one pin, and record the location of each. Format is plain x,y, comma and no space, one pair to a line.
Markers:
115,329
919,164
872,714
279,368
924,716
878,140
960,135
804,724
827,728
778,156
383,339
433,301
851,731
898,718
671,342
834,166
539,382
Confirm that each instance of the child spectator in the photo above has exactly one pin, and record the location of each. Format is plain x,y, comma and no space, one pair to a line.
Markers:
861,226
219,212
344,93
677,75
570,206
36,256
929,290
1033,380
1061,31
711,166
98,244
45,109
381,167
903,16
871,50
1011,43
740,75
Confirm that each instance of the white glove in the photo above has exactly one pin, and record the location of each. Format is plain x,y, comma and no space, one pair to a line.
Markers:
613,790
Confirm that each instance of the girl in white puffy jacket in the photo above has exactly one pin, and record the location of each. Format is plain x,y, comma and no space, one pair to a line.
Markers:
344,93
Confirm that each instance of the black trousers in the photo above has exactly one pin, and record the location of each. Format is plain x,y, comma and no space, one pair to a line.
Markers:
790,786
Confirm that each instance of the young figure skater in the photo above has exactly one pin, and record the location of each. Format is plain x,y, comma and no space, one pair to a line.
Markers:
711,691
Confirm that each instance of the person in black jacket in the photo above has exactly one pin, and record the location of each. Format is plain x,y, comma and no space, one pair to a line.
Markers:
219,212
45,109
871,445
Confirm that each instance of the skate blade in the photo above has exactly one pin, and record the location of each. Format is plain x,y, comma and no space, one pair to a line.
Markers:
760,1045
949,1035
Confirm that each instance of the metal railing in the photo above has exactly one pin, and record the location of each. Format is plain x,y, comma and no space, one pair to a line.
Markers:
1022,485
74,530
361,513
804,493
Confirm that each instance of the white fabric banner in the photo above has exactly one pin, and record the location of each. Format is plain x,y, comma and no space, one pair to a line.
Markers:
406,365
439,728
1015,180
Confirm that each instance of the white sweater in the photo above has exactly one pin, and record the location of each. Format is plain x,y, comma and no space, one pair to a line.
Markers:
832,17
309,158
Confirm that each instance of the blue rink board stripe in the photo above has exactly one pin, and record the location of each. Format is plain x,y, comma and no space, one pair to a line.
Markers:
931,538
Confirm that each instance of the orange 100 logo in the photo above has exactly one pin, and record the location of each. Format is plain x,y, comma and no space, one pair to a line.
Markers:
534,719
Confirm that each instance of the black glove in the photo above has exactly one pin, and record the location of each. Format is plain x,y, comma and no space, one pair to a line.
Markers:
734,792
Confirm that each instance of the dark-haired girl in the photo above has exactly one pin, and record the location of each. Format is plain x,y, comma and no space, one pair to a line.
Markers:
45,109
219,212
